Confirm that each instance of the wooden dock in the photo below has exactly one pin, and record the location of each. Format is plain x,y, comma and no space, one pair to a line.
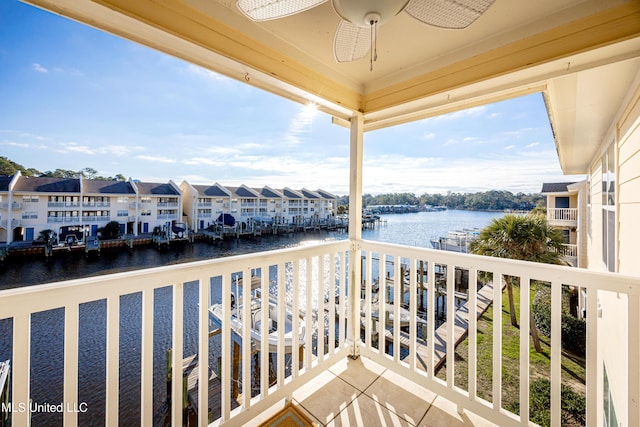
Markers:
484,300
190,371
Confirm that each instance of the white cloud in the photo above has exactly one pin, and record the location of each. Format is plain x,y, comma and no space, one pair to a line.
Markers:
300,124
533,144
119,150
39,68
430,135
74,147
383,174
158,159
509,147
203,161
15,144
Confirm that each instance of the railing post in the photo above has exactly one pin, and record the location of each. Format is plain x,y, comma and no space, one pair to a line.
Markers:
353,300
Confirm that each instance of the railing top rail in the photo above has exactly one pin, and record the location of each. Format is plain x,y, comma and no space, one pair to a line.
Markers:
589,279
60,294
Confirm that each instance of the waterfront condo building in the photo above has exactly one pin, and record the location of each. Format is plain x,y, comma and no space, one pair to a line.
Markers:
567,210
204,205
79,206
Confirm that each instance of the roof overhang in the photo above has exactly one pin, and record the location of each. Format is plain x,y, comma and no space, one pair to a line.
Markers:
562,48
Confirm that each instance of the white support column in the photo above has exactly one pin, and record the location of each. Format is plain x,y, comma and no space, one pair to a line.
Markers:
355,178
355,231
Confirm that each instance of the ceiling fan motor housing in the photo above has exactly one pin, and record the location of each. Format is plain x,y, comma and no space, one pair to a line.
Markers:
363,12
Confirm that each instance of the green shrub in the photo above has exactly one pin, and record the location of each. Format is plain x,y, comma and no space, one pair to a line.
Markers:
111,230
574,330
573,404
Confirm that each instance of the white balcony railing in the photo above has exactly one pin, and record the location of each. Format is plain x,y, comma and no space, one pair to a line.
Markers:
173,216
70,219
319,283
96,204
570,250
63,204
14,206
95,218
562,215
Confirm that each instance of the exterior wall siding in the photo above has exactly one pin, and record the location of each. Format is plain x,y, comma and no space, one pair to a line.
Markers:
613,324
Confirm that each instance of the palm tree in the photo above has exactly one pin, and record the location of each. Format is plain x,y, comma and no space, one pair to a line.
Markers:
522,237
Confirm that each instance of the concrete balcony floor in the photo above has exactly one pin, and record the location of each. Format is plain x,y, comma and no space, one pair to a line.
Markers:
362,393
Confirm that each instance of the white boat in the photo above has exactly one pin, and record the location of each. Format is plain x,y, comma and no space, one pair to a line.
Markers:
456,241
255,313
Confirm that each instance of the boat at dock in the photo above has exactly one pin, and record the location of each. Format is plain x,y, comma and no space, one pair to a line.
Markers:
456,241
258,304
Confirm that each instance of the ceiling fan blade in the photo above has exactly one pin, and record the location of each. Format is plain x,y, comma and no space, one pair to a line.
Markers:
351,42
263,10
454,14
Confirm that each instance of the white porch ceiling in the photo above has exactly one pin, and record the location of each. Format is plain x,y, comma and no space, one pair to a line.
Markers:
581,53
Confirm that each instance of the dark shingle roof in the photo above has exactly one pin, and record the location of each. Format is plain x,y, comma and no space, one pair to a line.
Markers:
308,194
48,185
210,190
290,194
325,194
555,187
265,192
154,188
107,187
243,192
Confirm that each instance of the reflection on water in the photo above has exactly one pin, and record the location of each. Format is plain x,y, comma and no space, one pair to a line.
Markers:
47,327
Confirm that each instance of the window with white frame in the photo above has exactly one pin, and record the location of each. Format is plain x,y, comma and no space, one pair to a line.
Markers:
610,419
609,208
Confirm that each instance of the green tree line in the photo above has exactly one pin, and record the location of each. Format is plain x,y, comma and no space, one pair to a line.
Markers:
9,168
497,200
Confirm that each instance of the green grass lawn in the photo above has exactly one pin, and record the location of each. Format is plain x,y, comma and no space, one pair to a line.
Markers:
573,370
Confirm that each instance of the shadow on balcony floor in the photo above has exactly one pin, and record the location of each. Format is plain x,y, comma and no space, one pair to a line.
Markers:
363,393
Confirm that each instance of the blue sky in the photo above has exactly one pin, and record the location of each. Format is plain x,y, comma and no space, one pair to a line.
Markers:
73,97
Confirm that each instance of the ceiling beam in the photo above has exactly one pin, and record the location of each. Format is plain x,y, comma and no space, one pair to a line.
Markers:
599,30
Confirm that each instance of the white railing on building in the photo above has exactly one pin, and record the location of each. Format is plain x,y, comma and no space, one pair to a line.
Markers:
96,218
14,206
168,216
562,214
318,282
96,204
570,250
63,204
70,219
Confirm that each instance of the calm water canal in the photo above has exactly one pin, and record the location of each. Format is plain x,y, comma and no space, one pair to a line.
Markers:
47,327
